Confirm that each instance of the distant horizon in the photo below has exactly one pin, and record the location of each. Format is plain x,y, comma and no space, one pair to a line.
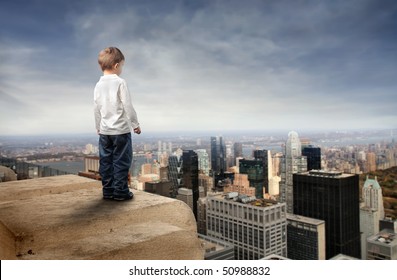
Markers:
181,133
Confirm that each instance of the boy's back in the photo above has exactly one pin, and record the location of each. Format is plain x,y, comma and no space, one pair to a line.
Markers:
114,113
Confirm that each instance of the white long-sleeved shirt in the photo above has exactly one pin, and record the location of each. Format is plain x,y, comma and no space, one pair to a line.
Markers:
114,113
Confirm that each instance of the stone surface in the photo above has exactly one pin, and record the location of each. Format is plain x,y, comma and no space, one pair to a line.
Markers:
65,217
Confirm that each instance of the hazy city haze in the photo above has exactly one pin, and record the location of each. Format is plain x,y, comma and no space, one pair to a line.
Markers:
202,65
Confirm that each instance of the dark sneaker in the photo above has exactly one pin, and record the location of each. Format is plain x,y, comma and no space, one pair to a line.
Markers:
107,196
121,198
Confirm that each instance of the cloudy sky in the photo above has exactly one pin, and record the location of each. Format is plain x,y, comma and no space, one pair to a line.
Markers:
202,65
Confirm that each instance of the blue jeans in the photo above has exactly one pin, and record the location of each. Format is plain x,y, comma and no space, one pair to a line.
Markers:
115,158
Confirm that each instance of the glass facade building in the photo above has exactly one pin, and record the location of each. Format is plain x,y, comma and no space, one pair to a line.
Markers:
254,170
334,198
313,155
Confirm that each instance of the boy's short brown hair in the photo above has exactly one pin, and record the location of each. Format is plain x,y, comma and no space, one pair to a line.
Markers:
108,57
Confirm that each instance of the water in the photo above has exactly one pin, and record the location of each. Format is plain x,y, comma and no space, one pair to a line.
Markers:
73,167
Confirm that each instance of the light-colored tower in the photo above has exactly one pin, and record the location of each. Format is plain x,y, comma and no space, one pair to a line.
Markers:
372,196
204,161
371,212
293,162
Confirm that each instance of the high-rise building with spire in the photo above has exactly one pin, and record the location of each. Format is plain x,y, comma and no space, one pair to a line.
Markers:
292,162
371,212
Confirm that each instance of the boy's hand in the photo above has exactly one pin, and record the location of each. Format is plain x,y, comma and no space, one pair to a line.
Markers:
137,130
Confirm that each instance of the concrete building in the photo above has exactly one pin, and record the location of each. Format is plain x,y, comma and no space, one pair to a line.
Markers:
241,185
305,238
256,227
186,195
216,249
160,188
382,246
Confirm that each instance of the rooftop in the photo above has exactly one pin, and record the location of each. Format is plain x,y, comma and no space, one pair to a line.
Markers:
304,219
326,173
65,217
387,237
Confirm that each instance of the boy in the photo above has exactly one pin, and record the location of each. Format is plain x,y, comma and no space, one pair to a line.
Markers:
114,117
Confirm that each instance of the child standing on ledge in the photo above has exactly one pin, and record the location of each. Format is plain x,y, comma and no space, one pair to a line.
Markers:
115,117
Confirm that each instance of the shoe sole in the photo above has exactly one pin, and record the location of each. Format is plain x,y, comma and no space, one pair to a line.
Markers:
123,198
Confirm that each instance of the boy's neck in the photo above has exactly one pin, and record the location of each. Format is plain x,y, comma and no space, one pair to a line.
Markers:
109,72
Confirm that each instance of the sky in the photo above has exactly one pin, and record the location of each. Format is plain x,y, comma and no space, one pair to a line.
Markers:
202,65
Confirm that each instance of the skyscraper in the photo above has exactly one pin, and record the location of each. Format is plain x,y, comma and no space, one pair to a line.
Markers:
292,162
313,155
305,238
238,150
190,176
254,170
257,228
175,172
371,212
266,158
218,155
334,198
203,159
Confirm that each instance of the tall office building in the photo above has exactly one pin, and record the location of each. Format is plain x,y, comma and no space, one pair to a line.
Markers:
218,155
186,195
292,162
190,175
334,198
257,228
305,238
266,157
254,170
313,155
175,173
371,162
238,150
240,185
371,212
204,161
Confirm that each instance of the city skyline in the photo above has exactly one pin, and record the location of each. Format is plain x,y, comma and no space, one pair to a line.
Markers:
202,65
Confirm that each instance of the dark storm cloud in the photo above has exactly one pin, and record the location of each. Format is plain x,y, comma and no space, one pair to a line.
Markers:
292,60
